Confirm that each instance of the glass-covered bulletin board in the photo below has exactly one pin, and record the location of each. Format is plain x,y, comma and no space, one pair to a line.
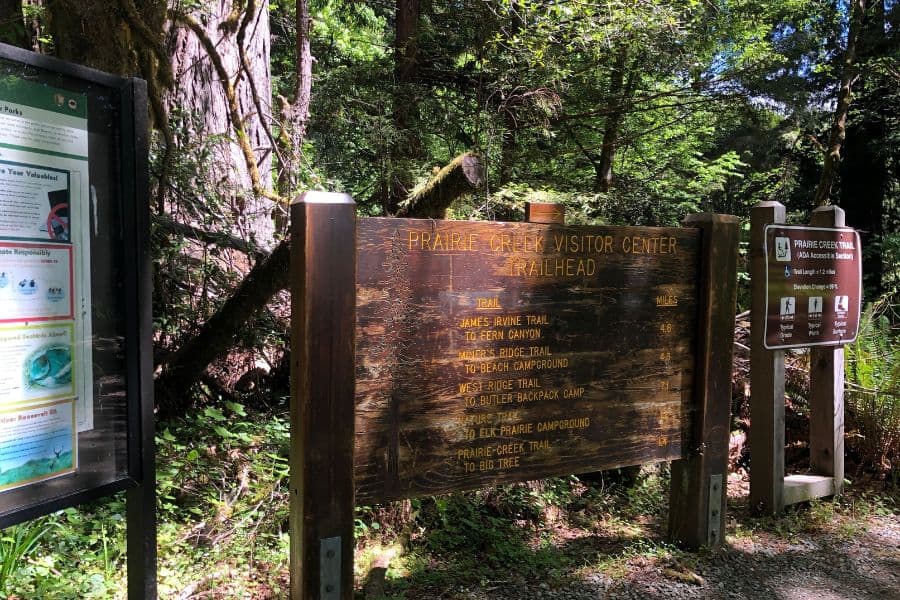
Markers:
75,329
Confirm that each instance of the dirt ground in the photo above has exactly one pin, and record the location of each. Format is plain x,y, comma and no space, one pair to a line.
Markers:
820,551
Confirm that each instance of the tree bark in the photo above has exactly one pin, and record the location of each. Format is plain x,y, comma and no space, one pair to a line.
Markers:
397,179
610,144
207,60
94,32
295,112
864,168
406,45
217,335
839,124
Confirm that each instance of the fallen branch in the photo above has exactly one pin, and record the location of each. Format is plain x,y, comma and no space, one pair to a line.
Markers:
172,228
464,175
185,366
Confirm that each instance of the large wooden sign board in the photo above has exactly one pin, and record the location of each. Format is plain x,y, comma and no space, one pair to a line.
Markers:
432,356
496,352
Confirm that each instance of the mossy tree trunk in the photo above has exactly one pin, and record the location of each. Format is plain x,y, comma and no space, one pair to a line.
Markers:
241,42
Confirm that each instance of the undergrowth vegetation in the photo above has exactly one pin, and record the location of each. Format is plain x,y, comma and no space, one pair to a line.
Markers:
223,511
873,390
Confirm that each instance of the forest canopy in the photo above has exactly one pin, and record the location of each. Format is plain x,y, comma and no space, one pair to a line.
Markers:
627,112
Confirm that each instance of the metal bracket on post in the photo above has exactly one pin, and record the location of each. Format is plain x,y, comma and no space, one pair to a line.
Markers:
330,568
713,532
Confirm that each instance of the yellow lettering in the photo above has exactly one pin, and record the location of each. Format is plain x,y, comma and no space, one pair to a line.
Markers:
509,463
440,241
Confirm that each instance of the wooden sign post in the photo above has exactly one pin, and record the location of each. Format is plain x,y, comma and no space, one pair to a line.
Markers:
697,495
323,309
488,353
766,376
806,293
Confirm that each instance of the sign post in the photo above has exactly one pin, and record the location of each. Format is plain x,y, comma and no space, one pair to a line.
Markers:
826,382
766,376
807,290
697,494
76,386
323,310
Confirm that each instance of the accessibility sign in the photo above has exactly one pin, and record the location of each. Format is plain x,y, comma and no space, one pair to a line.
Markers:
813,286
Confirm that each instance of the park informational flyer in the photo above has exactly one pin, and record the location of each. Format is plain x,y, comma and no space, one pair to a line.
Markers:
45,325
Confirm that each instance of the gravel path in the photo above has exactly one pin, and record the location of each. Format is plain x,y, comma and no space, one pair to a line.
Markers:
860,561
812,567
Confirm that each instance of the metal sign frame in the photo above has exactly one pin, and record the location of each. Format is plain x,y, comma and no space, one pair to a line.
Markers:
128,144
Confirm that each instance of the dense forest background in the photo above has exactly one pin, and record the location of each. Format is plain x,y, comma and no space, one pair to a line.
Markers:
627,112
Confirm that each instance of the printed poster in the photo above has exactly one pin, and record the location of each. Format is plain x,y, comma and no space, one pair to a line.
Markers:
34,202
37,443
46,394
37,364
36,282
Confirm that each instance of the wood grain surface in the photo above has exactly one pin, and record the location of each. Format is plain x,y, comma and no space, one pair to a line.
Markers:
497,352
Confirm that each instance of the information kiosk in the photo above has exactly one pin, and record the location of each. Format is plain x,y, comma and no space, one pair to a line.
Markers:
76,402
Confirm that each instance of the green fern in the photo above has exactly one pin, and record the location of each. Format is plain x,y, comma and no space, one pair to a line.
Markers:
873,388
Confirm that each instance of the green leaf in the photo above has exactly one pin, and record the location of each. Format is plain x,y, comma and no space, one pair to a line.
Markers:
223,432
215,414
236,408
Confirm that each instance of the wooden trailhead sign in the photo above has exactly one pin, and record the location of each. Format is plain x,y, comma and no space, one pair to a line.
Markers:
432,356
496,352
813,286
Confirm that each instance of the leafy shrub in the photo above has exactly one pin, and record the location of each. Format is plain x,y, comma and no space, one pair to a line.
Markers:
873,389
16,544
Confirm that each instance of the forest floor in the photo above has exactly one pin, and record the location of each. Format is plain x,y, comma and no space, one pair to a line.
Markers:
827,550
223,535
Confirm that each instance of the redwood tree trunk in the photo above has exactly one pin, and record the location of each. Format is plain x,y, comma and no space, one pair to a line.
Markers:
839,125
397,178
295,113
199,89
864,167
93,32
